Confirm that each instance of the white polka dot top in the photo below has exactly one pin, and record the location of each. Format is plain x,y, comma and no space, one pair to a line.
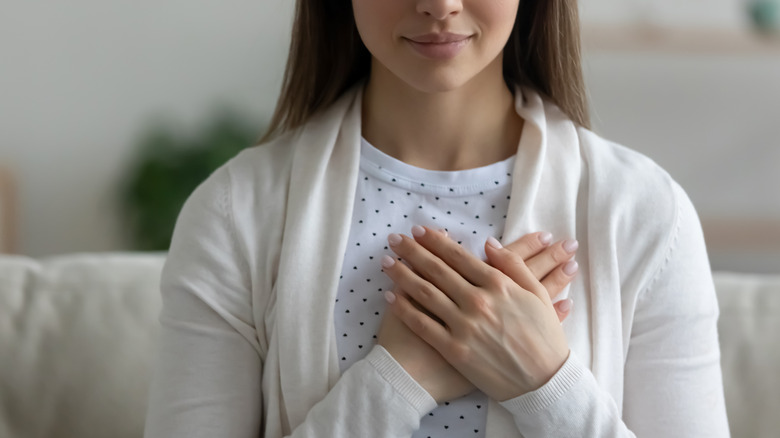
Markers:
391,197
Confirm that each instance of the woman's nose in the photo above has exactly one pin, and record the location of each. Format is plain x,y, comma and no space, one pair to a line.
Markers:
439,9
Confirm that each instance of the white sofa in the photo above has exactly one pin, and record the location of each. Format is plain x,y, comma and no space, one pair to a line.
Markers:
78,333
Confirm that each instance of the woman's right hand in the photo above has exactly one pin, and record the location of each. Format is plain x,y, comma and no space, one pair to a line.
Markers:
551,264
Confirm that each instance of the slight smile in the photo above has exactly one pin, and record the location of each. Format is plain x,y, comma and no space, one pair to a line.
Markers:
439,46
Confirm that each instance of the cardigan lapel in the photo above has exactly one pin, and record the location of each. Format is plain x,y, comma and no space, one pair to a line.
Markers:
322,190
545,189
546,174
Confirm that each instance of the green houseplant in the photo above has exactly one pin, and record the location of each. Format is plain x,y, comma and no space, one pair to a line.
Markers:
168,167
765,15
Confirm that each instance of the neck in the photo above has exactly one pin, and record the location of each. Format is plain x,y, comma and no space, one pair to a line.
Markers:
471,126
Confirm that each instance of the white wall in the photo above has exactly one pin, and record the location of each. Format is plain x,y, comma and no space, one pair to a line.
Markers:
80,78
690,13
712,122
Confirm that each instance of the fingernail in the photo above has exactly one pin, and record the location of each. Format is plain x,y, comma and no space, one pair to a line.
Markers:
545,238
394,239
570,268
443,231
387,261
389,297
418,231
494,243
570,245
565,305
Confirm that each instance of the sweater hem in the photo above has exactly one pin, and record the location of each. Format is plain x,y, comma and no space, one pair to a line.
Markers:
549,393
401,381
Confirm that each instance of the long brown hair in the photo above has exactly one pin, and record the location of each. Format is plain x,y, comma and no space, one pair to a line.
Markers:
327,57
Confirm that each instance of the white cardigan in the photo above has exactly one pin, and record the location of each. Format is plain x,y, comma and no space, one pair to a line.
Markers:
248,342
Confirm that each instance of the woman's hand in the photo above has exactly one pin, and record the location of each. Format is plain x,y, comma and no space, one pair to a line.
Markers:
553,265
426,366
500,332
549,263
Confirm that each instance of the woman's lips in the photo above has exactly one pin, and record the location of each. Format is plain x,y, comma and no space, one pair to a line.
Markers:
439,50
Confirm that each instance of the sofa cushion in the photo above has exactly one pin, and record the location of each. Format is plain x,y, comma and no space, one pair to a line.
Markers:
77,344
749,329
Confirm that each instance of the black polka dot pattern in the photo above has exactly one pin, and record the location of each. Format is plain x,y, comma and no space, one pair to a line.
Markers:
391,198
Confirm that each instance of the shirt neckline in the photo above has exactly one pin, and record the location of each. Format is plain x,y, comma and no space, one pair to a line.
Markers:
441,182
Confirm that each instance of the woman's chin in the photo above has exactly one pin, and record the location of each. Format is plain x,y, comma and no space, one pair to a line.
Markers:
427,77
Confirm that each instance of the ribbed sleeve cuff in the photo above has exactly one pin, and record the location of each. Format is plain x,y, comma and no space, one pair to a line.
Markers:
552,391
400,380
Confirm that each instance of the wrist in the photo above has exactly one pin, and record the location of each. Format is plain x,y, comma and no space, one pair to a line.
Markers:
395,375
544,373
531,403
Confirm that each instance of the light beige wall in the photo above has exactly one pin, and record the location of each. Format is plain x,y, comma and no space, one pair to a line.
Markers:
689,13
80,78
711,120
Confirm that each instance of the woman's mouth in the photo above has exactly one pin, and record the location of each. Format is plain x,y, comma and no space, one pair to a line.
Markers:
439,45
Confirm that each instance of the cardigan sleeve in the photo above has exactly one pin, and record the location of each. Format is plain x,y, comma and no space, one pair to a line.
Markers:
375,398
672,383
673,380
208,370
208,373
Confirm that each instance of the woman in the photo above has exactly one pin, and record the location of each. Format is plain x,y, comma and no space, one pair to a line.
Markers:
287,311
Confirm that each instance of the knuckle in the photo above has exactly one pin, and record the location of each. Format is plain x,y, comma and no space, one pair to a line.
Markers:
438,235
533,242
515,262
426,292
459,353
478,303
500,284
512,257
496,279
527,243
465,329
417,323
454,252
558,255
436,269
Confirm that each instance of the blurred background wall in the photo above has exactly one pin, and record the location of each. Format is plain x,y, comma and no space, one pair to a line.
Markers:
80,80
685,82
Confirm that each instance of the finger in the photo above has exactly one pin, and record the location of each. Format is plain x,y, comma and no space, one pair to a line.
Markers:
559,278
399,291
430,266
563,308
427,295
418,322
530,245
552,257
515,268
458,258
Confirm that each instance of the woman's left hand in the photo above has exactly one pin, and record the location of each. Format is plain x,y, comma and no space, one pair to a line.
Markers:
500,331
